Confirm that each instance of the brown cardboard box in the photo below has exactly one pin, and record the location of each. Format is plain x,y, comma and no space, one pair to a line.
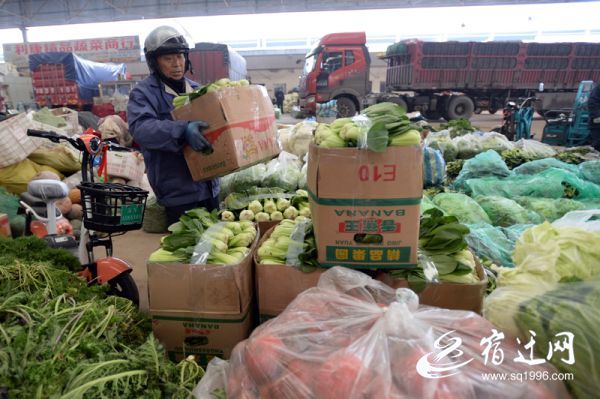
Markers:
446,295
203,310
242,130
5,225
278,285
354,192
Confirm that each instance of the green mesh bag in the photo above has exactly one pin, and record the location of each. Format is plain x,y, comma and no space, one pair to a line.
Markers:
465,208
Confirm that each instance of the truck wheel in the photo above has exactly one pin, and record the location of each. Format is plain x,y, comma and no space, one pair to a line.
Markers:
345,107
477,111
460,107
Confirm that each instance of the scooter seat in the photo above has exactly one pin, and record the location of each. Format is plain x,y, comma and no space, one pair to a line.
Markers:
47,189
37,204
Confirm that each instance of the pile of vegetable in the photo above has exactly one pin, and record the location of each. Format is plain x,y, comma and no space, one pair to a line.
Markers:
574,308
379,126
297,139
199,238
353,337
443,252
459,127
286,172
290,243
60,338
184,99
263,205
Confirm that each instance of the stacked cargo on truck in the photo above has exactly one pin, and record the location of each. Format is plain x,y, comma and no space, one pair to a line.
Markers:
214,61
447,79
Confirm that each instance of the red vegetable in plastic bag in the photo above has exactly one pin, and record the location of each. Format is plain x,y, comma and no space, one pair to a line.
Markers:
352,337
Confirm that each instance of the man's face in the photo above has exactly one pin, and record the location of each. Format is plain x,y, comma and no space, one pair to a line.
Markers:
172,65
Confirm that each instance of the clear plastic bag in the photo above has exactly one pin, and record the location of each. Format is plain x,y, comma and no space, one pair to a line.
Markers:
283,172
495,141
212,385
247,178
588,220
468,146
535,149
353,337
442,141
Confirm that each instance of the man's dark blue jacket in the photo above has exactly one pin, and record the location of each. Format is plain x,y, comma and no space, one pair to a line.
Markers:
161,140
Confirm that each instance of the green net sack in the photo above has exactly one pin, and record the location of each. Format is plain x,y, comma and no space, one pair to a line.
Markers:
494,243
465,208
551,183
590,203
590,171
551,209
505,212
488,163
540,165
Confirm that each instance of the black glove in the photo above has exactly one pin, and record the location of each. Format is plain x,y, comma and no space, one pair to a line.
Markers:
195,138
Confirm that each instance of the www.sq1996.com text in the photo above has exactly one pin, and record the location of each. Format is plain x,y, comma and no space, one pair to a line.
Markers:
528,376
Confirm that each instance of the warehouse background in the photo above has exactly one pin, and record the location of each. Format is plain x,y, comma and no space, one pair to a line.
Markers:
273,36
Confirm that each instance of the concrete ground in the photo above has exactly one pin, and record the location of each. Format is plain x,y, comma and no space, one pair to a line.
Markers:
135,247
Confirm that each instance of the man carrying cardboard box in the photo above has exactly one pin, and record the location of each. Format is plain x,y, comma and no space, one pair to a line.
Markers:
160,137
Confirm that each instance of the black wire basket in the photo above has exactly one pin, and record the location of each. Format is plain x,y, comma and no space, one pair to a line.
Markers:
111,207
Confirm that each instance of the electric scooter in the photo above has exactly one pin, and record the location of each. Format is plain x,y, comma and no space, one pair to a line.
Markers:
109,209
517,119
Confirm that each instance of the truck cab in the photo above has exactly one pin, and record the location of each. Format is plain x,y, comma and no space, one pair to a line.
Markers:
337,67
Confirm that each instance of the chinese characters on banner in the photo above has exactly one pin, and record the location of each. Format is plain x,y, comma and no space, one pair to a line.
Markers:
109,49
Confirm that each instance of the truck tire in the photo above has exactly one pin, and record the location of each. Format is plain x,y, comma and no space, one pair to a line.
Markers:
346,108
492,110
460,107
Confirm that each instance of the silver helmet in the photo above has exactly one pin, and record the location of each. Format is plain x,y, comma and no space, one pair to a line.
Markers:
165,40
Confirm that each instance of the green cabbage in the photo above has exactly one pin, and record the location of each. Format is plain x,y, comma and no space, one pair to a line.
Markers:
575,308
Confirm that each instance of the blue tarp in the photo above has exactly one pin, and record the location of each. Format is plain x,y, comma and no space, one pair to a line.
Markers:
86,73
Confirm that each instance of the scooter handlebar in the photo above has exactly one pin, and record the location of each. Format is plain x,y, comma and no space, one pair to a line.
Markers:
28,208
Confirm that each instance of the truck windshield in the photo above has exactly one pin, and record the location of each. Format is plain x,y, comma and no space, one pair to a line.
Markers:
309,64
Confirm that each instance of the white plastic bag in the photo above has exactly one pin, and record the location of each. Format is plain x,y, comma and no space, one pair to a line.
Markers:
580,219
535,149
